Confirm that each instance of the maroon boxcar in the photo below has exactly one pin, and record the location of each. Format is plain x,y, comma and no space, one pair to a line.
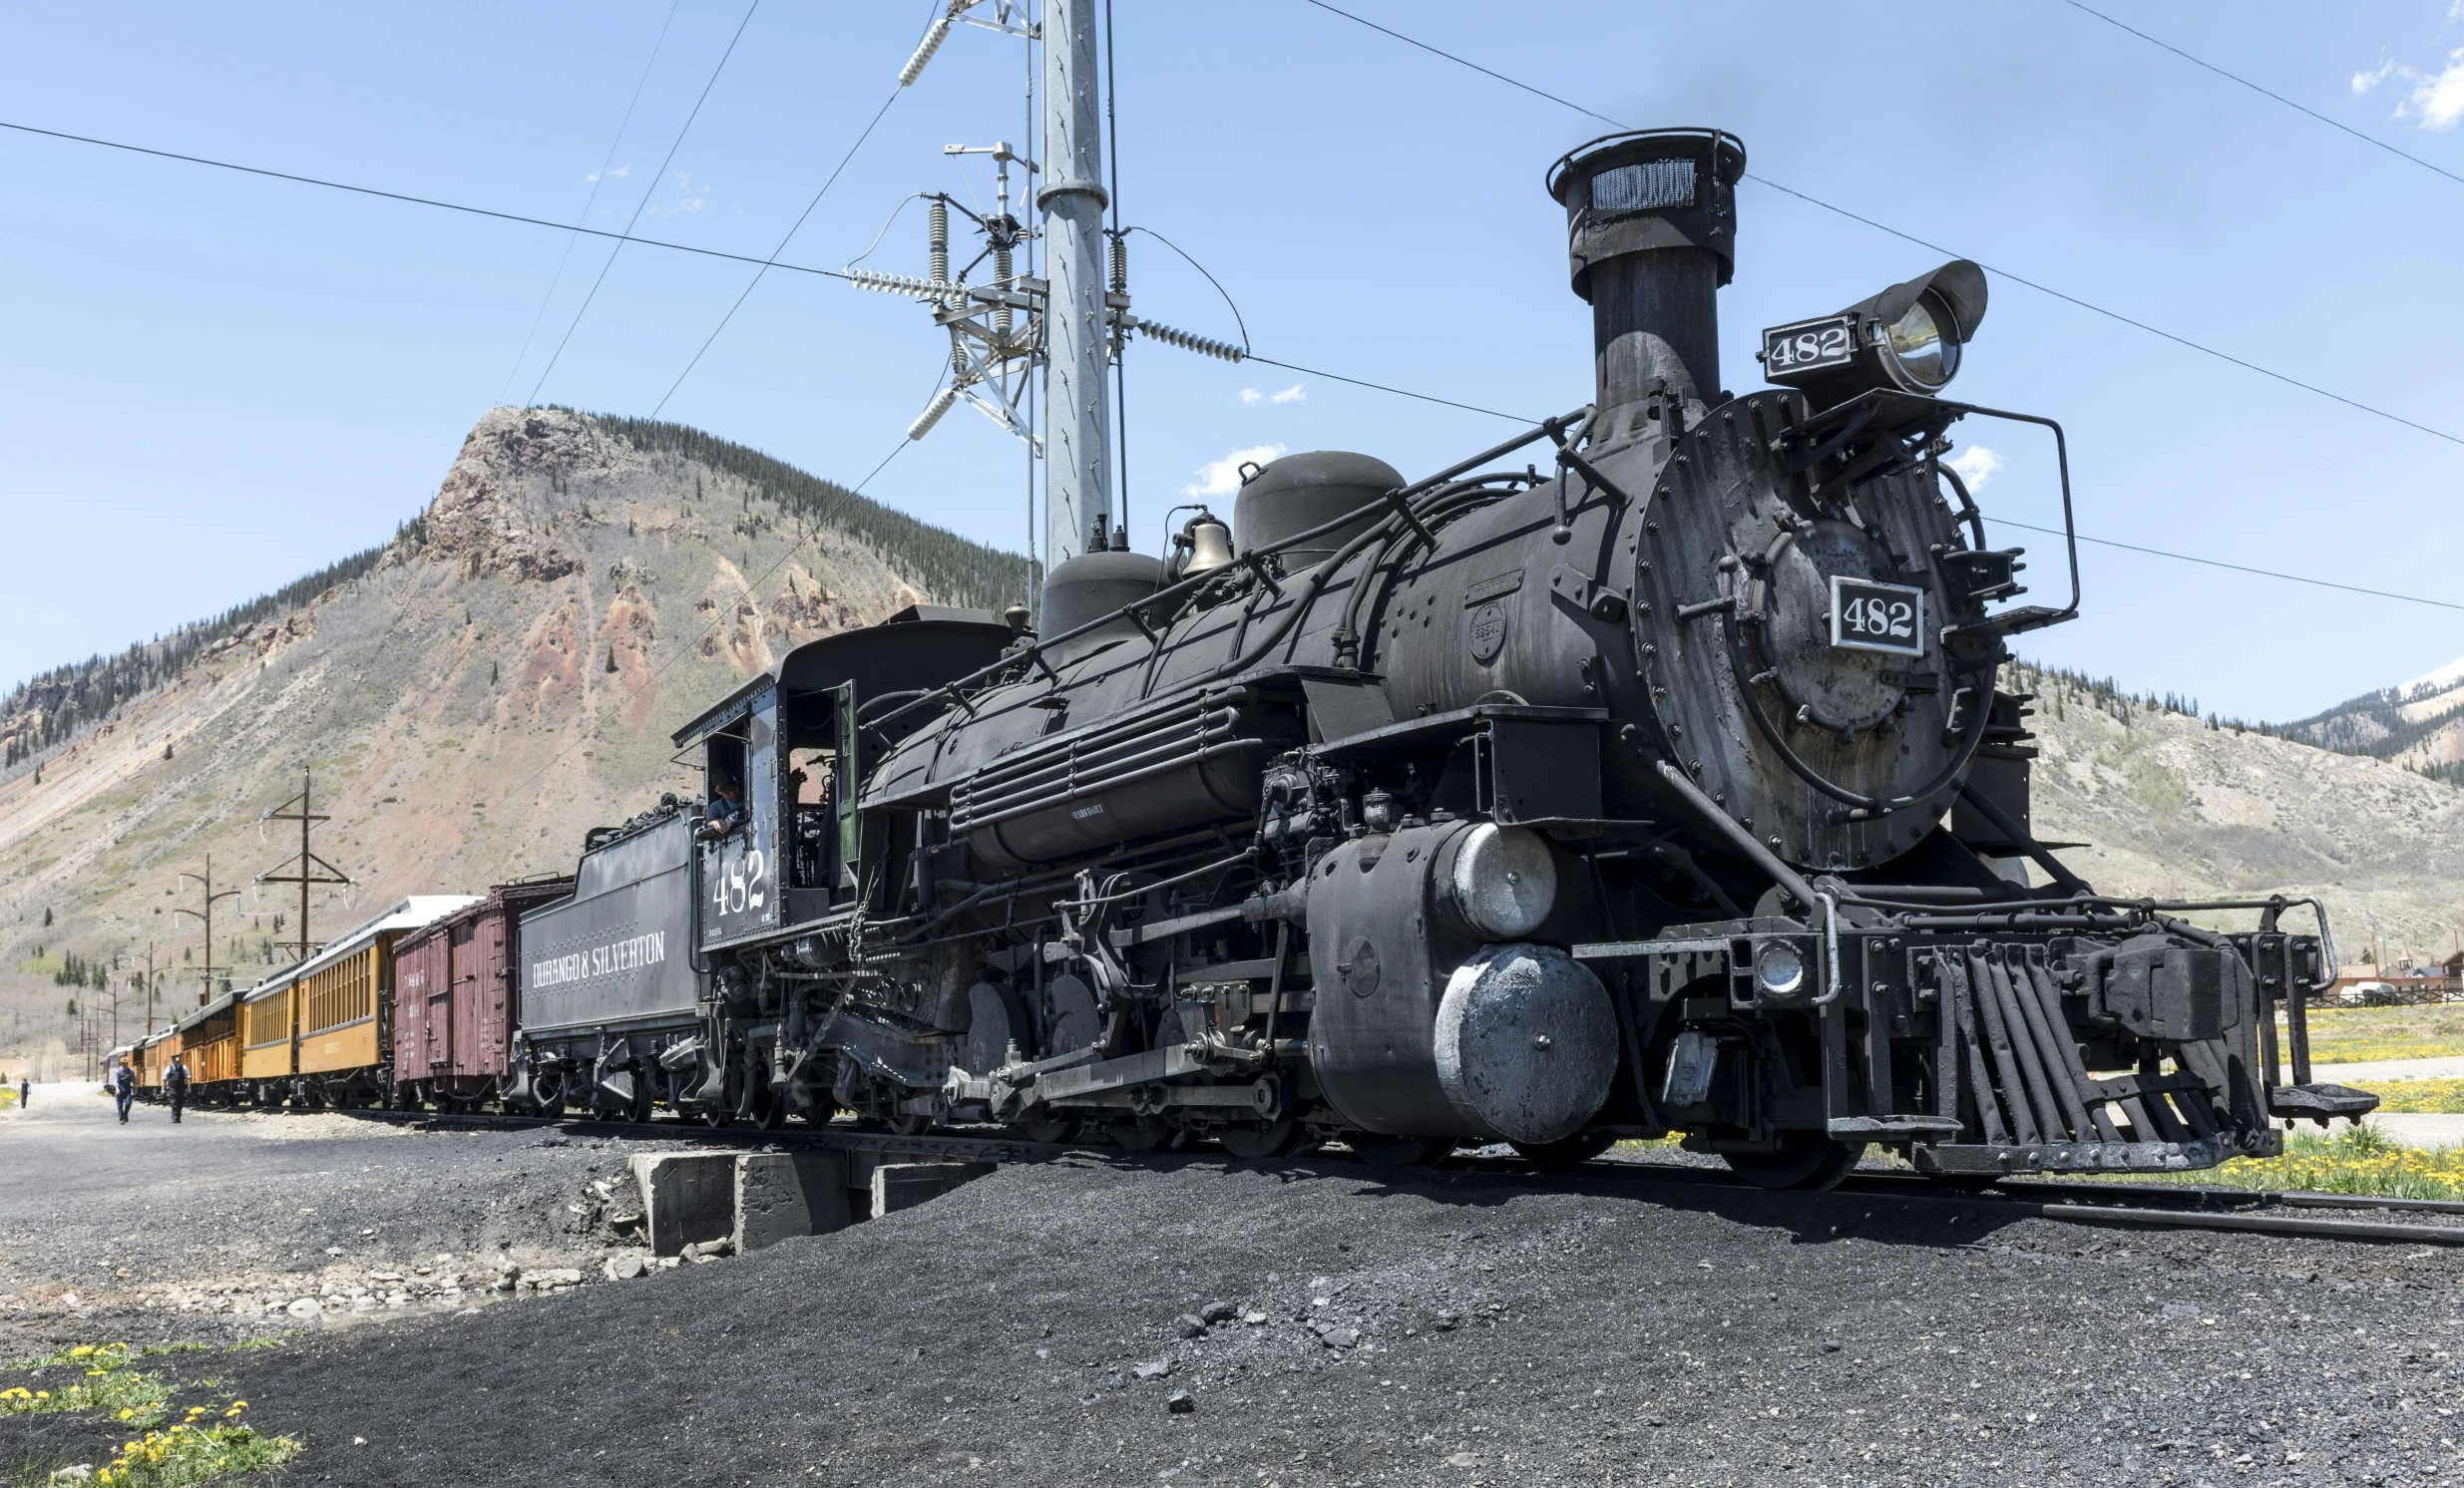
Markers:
455,997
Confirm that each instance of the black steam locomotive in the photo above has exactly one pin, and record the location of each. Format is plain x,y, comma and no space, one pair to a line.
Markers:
1645,773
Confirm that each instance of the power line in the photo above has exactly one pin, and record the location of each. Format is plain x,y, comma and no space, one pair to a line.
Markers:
770,262
620,238
597,180
2266,92
1383,388
1904,237
647,191
2324,583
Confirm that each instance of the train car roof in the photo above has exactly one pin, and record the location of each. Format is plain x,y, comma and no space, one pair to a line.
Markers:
541,887
922,645
409,913
220,1005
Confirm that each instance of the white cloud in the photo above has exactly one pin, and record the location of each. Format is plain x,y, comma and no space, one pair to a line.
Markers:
1252,397
618,173
2436,99
1298,392
1220,478
1976,466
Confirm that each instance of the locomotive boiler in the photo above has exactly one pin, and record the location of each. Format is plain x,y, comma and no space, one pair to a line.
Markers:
1643,774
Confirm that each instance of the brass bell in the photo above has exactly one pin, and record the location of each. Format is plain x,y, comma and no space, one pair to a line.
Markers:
1210,544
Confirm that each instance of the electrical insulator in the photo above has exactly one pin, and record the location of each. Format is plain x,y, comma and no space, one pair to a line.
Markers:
1188,342
934,36
937,236
1001,277
932,413
1120,264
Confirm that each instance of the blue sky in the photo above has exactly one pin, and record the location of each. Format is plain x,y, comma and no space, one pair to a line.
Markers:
211,384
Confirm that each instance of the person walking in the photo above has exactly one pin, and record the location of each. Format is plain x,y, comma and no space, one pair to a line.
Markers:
175,1085
25,1091
124,1089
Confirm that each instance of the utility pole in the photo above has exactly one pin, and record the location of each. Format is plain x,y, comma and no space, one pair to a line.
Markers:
1079,477
1078,315
205,915
305,869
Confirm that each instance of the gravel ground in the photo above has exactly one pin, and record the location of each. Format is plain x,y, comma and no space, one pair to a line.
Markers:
212,1228
1458,1327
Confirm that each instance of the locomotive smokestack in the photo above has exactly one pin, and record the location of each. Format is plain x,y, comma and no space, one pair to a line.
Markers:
1651,231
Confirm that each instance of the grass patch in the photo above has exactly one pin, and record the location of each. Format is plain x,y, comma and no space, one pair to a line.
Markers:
103,1385
2356,1160
197,1450
2359,1036
2437,1097
208,1444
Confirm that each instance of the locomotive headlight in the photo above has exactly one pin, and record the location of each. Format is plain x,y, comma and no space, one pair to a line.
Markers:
1778,969
1504,881
1906,339
1918,350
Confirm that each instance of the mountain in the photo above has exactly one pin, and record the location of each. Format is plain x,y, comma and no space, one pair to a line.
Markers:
472,696
2419,725
2172,805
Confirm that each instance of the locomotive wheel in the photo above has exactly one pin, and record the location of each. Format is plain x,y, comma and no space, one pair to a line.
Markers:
1047,1131
1140,1134
1560,1156
1258,1143
1804,1162
1393,1154
638,1110
910,1126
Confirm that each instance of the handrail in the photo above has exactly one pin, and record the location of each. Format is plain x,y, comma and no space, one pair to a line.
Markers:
1034,649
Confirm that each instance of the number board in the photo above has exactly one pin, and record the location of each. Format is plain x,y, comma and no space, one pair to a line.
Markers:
1870,616
1809,345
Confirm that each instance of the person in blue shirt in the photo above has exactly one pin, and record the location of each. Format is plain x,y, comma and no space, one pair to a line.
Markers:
124,1088
727,812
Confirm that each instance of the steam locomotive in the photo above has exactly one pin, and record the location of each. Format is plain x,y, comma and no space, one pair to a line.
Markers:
1643,774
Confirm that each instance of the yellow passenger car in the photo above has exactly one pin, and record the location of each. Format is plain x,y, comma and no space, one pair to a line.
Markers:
209,1041
268,1039
338,1007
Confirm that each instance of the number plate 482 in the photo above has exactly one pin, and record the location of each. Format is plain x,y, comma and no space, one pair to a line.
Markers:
1870,616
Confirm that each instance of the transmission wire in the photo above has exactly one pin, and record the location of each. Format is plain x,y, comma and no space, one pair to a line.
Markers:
649,190
1906,236
597,180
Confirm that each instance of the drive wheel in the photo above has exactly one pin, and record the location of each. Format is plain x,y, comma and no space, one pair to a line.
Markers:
1386,1154
1804,1162
637,1110
910,1126
1253,1144
1566,1153
1047,1131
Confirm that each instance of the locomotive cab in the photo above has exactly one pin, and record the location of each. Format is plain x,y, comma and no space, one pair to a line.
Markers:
794,745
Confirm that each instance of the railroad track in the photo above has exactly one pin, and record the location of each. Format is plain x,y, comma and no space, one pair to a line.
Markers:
2067,1201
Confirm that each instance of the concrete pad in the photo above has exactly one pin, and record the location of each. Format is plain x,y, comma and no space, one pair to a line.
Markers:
688,1197
780,1195
898,1186
2447,1069
2420,1128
